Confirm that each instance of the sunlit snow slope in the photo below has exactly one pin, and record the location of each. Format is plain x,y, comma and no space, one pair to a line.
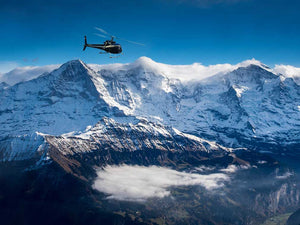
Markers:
229,104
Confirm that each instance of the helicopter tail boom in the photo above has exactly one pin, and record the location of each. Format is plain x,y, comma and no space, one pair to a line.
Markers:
85,43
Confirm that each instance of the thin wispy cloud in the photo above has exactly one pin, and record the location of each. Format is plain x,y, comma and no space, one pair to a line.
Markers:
138,183
284,176
234,168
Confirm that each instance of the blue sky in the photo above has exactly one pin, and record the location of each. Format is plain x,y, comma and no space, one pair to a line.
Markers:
174,31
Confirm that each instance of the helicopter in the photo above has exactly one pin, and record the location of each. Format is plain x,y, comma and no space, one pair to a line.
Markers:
109,46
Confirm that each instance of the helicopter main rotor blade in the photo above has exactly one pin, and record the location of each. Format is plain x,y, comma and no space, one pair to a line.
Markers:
105,33
102,31
113,36
101,35
132,42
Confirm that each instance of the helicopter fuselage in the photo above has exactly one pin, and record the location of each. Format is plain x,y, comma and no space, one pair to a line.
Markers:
109,48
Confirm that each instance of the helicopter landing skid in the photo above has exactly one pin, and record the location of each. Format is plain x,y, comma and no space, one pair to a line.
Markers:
113,57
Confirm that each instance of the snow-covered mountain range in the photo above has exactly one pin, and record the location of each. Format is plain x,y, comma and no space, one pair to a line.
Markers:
230,105
62,130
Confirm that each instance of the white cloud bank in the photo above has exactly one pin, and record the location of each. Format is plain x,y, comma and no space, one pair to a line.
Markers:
137,183
20,74
288,71
195,71
185,73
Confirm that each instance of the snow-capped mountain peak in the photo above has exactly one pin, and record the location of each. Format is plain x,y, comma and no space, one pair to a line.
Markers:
144,62
72,70
255,62
62,101
253,73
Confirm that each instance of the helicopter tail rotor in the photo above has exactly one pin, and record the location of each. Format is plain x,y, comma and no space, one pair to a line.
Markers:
85,43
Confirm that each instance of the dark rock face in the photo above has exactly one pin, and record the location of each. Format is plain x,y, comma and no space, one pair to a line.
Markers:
294,219
62,190
3,86
51,196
